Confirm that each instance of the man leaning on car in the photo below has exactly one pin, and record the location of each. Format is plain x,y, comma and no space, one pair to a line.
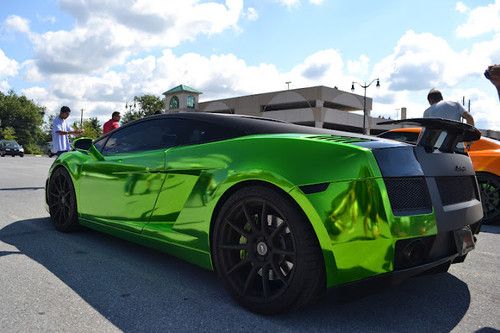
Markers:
445,109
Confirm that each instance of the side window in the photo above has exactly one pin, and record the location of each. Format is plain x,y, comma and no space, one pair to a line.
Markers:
190,102
196,132
99,144
174,103
146,135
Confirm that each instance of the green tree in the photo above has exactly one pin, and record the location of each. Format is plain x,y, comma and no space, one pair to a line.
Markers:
47,129
91,128
132,115
149,104
8,133
24,116
145,105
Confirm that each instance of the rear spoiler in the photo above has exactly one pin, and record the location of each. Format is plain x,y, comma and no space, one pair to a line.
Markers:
439,133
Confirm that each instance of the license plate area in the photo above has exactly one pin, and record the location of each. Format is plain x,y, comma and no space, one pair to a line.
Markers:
464,240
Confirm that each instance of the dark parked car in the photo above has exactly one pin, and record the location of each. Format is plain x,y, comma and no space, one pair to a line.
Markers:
11,147
47,149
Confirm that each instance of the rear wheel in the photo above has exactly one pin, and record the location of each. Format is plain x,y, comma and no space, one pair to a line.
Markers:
62,201
266,252
489,186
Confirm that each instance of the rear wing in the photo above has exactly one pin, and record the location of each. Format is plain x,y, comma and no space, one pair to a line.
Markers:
438,133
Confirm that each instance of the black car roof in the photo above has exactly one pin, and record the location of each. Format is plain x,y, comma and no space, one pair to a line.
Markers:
253,125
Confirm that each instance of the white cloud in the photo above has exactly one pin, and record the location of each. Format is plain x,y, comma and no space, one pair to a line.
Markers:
17,24
31,72
252,14
109,32
4,86
296,3
461,7
481,20
8,67
289,3
359,67
423,61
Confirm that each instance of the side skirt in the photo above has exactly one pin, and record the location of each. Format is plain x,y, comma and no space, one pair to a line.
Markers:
194,256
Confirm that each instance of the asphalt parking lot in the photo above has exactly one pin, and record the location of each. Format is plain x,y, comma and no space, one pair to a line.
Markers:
90,282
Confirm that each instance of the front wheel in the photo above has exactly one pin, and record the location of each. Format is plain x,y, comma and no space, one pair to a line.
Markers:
62,201
489,186
266,252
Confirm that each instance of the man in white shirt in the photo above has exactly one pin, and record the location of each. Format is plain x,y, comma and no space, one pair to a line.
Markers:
444,109
61,131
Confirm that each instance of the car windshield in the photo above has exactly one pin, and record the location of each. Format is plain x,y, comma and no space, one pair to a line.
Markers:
11,144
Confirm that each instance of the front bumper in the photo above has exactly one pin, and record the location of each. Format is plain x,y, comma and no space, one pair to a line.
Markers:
13,153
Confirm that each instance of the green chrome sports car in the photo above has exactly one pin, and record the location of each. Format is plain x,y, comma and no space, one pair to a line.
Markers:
280,211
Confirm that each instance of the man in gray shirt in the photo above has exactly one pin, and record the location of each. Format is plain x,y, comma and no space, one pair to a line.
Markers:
444,109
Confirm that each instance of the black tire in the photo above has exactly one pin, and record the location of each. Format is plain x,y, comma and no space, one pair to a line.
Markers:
489,187
266,252
62,201
22,155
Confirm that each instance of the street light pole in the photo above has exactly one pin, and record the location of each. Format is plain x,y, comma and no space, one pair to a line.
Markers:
288,84
365,86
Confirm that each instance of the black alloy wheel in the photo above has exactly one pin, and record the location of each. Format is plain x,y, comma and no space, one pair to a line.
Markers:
62,201
266,252
489,186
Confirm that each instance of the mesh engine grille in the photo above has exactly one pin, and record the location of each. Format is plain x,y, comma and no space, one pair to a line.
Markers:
408,194
453,190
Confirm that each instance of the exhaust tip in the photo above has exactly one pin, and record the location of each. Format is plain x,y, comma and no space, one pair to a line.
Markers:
414,253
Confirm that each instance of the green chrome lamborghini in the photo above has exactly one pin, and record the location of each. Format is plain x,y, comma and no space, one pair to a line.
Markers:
280,211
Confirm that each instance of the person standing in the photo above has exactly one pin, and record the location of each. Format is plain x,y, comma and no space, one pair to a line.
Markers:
492,73
112,124
445,109
61,131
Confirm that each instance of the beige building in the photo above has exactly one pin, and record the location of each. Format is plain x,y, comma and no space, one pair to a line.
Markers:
318,106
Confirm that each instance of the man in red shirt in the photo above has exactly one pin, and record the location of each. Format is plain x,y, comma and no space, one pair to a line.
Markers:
112,123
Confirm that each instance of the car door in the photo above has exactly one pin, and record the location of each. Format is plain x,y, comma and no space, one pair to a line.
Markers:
180,212
120,189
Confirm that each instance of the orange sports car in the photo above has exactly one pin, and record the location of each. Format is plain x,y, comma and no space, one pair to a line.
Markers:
485,156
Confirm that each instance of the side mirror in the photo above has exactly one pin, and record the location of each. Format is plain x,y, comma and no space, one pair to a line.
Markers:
83,144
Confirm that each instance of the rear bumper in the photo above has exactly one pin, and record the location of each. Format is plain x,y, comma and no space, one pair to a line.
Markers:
441,251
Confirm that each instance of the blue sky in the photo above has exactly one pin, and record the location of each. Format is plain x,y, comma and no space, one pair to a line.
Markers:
96,55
